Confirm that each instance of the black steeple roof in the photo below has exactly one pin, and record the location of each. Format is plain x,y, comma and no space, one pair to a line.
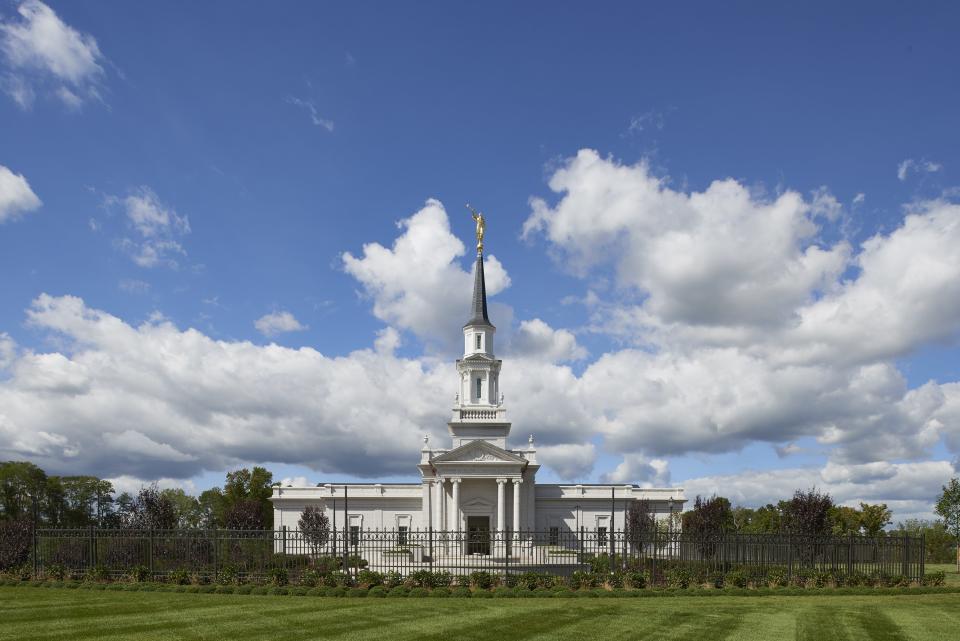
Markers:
479,307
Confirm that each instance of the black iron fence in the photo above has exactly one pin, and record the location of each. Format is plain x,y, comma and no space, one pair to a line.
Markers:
256,555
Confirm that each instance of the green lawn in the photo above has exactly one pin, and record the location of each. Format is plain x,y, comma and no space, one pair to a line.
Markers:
73,615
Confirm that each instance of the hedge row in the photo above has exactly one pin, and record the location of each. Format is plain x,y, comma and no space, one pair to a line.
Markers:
464,592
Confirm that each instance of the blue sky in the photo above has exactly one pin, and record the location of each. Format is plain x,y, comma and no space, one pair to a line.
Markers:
208,165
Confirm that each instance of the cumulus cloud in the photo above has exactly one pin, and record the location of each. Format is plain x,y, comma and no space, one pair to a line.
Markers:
911,166
278,323
907,488
640,470
721,257
418,285
43,52
16,197
570,461
536,338
154,400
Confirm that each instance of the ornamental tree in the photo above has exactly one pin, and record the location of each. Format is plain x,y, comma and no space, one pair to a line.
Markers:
315,527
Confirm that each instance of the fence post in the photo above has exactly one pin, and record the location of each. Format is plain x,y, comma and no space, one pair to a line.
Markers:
150,553
850,555
36,551
789,557
906,556
93,547
430,534
923,554
580,544
283,530
216,555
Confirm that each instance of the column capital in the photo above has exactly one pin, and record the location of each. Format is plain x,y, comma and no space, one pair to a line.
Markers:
517,481
456,480
501,481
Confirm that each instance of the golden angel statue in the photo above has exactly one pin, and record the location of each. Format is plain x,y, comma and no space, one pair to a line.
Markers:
481,227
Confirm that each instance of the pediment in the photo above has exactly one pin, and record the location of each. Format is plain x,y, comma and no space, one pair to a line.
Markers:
479,452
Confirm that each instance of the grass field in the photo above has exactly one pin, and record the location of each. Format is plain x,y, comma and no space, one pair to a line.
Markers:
28,614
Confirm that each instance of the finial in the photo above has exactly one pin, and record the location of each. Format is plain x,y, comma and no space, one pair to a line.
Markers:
530,441
501,398
481,227
426,439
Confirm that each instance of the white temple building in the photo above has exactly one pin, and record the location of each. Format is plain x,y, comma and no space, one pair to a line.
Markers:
479,483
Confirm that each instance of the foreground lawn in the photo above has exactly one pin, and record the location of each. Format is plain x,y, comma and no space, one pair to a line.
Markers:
73,615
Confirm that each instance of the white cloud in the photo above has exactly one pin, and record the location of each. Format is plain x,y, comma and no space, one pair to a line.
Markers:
535,338
907,488
157,228
278,323
638,469
717,258
296,481
16,197
417,284
311,108
911,166
41,50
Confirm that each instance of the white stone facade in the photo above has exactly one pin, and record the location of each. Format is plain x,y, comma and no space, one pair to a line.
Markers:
478,483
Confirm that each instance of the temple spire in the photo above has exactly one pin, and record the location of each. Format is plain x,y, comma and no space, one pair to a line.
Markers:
478,311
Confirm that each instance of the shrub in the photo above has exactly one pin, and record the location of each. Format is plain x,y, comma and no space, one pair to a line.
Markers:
600,564
615,580
392,579
421,579
442,579
716,579
276,590
800,578
310,578
440,592
297,591
337,591
56,572
503,592
736,578
357,592
224,589
278,576
821,579
369,578
326,564
636,579
244,589
481,580
258,589
460,592
338,579
418,592
534,580
179,577
398,591
377,591
777,577
542,592
933,578
582,580
678,577
482,594
140,573
228,574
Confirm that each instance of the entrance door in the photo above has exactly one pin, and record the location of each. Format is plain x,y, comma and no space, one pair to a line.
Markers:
478,535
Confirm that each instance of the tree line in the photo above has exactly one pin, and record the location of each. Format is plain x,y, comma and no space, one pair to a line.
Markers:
28,493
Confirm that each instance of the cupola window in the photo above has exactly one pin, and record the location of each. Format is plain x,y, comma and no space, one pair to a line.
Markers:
479,388
478,341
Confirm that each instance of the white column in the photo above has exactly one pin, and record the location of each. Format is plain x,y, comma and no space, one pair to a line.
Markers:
443,504
437,497
500,504
516,509
456,506
427,503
